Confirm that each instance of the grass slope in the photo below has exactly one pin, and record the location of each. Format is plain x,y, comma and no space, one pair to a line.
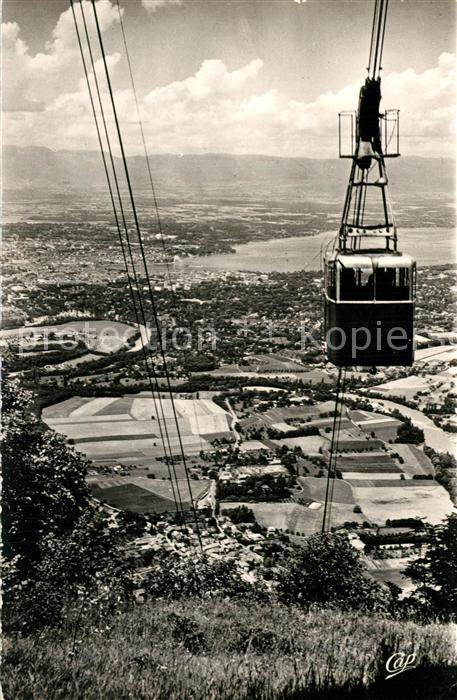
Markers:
230,651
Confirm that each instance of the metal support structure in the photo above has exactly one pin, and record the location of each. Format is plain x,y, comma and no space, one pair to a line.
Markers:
369,148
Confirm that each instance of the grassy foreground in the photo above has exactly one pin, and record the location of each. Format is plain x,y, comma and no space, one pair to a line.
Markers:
221,649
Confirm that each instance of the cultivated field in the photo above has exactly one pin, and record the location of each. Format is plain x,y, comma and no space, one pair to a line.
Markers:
311,444
384,427
415,461
426,500
283,516
134,499
298,519
275,361
438,354
250,445
130,429
315,488
406,387
142,495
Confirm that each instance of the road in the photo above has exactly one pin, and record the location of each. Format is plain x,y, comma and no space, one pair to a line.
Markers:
234,422
144,338
438,352
208,498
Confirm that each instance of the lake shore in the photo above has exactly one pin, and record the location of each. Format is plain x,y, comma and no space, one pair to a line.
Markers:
429,246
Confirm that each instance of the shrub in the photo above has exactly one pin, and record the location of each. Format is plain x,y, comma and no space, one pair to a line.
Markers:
436,573
327,570
242,514
409,433
173,577
61,556
185,631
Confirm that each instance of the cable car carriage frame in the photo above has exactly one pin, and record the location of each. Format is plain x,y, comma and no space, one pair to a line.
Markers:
369,291
369,300
369,285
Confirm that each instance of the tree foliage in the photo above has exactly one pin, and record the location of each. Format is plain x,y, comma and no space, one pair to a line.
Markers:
44,491
61,554
328,571
174,577
436,573
409,433
445,466
241,514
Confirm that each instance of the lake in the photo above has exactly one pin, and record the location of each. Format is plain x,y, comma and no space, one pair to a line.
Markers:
429,246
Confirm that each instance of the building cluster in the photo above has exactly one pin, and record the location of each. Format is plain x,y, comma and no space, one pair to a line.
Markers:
218,539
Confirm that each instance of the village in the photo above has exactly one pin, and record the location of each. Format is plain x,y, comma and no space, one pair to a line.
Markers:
259,454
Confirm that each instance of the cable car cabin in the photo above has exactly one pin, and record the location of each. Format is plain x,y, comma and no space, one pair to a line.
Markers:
369,309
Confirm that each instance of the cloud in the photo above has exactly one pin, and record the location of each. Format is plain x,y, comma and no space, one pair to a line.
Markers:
153,5
31,81
429,114
211,110
216,109
427,103
212,80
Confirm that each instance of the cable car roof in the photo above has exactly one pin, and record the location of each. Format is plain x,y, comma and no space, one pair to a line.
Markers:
395,261
359,260
355,260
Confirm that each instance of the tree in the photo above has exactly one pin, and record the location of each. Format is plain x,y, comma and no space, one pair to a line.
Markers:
409,433
436,573
445,470
328,571
44,490
85,572
173,577
242,514
61,554
133,524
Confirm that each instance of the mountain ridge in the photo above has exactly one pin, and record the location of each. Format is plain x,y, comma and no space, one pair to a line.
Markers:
34,167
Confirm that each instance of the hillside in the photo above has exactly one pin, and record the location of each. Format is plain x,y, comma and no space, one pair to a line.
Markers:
31,168
230,651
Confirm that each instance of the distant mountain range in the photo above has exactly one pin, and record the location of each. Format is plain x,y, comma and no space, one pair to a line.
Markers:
35,168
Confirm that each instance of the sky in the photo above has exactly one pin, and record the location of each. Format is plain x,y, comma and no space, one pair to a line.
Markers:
228,76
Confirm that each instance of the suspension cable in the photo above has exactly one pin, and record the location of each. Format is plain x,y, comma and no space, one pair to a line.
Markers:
136,280
146,153
332,461
377,38
335,456
177,501
383,33
148,165
372,36
143,256
332,447
149,366
151,181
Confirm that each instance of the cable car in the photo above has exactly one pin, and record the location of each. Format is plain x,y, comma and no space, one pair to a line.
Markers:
369,309
369,288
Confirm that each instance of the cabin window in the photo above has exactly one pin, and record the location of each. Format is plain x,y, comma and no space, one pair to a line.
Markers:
356,284
393,283
331,281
